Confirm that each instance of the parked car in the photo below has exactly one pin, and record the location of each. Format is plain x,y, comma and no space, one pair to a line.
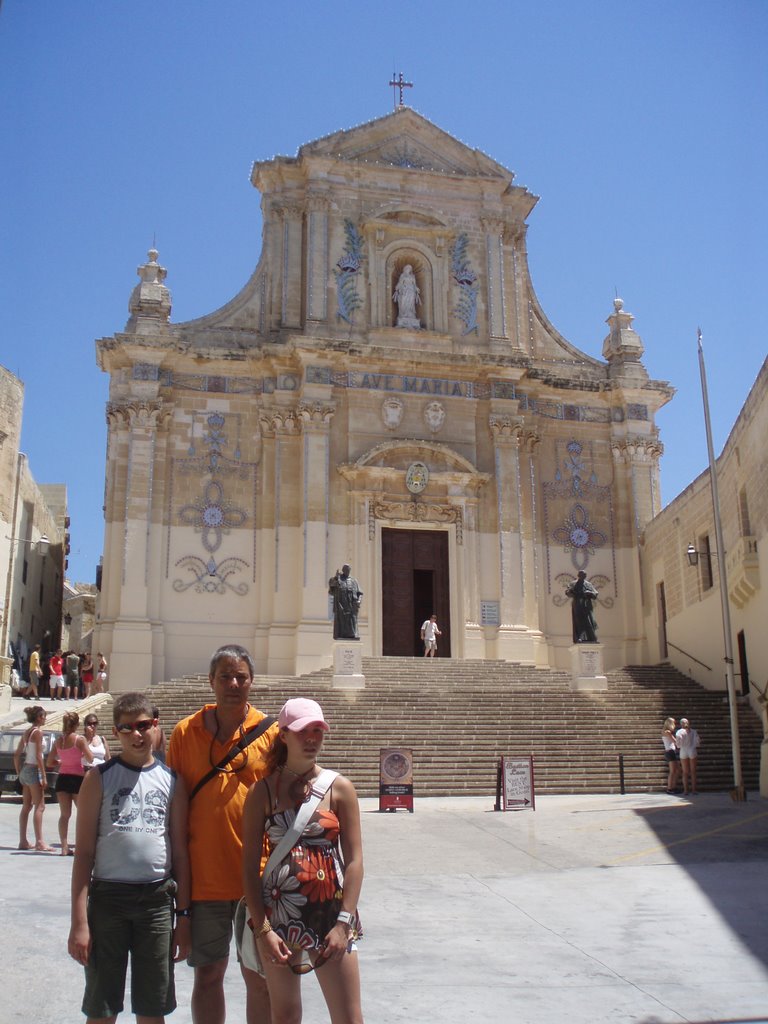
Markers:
9,740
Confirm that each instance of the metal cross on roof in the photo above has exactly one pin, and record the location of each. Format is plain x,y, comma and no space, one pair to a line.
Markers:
399,83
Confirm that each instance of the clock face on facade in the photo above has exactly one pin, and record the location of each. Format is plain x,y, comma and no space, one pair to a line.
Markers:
417,477
579,537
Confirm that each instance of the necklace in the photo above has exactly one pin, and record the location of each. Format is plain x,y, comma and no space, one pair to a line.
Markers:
300,790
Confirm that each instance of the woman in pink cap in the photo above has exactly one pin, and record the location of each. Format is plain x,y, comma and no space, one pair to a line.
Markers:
302,906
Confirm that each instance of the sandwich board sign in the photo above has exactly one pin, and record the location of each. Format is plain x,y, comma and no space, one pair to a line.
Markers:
395,779
514,784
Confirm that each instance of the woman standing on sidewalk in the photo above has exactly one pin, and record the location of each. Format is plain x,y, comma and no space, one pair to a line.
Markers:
101,674
86,673
688,742
671,753
71,751
32,778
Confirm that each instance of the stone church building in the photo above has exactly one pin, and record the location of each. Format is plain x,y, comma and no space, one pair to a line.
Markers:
385,391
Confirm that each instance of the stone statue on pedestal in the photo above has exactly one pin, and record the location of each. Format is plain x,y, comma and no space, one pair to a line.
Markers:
347,597
582,595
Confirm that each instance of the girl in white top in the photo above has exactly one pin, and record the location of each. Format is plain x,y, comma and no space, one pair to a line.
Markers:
688,741
101,674
33,779
97,744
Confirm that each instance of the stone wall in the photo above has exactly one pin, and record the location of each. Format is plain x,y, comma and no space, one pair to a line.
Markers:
692,595
31,575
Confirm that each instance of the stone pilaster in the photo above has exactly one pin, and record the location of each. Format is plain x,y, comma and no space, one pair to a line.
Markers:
506,430
128,582
494,247
530,541
315,419
639,456
281,429
316,275
290,309
518,314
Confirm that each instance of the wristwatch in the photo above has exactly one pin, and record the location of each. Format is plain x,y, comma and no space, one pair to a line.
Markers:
345,917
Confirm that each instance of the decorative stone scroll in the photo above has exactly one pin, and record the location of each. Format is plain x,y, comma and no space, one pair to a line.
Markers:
315,415
415,512
152,415
505,428
636,448
279,421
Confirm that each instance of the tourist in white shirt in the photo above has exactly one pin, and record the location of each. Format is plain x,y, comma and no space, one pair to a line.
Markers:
429,634
688,742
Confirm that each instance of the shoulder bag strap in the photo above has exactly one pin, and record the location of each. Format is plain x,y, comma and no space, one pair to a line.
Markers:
242,743
320,787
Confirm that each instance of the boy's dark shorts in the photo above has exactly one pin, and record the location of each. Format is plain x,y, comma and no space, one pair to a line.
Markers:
138,919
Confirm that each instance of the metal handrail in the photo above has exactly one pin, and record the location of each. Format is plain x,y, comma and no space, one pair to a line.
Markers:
687,655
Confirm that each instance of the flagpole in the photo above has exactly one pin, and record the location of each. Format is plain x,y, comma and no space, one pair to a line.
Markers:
733,707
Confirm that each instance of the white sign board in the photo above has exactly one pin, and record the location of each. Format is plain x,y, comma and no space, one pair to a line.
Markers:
517,792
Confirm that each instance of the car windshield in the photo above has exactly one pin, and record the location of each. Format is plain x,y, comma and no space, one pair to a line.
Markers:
10,740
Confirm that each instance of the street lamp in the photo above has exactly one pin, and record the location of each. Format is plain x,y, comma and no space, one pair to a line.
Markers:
693,559
42,542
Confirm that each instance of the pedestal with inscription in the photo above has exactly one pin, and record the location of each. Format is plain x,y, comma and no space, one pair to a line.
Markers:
348,665
587,667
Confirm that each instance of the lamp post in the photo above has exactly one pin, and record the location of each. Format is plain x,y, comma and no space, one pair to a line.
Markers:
693,558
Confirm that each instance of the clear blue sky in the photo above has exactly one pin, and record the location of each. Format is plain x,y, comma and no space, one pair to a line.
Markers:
642,126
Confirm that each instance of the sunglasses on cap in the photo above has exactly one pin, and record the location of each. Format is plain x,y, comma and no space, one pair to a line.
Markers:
128,727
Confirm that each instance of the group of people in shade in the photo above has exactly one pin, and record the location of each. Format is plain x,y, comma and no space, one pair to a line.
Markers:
680,752
240,832
66,675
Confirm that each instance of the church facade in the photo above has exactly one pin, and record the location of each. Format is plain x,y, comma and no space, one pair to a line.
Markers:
387,392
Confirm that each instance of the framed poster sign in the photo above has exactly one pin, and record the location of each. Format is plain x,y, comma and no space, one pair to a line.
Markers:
514,784
395,779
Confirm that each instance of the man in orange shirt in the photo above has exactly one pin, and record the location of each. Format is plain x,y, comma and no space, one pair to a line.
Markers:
197,749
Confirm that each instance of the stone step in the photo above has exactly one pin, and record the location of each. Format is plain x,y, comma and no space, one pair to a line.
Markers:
459,717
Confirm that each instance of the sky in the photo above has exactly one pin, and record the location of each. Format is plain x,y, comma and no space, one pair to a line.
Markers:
642,127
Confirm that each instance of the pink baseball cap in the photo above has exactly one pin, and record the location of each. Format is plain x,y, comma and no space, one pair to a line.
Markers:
298,713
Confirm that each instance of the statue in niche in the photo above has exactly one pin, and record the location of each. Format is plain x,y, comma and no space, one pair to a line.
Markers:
347,597
407,295
583,596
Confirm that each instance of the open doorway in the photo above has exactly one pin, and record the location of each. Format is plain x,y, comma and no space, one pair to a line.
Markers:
414,585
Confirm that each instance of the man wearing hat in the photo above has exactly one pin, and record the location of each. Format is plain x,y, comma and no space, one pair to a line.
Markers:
219,752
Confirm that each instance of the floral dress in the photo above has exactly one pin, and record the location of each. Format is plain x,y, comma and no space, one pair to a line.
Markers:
302,895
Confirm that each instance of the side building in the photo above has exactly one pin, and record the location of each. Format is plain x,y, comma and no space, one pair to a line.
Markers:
385,391
33,538
682,601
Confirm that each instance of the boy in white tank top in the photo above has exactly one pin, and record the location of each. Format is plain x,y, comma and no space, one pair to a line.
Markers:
130,862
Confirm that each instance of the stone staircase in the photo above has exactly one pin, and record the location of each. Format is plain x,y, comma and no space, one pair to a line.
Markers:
459,716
